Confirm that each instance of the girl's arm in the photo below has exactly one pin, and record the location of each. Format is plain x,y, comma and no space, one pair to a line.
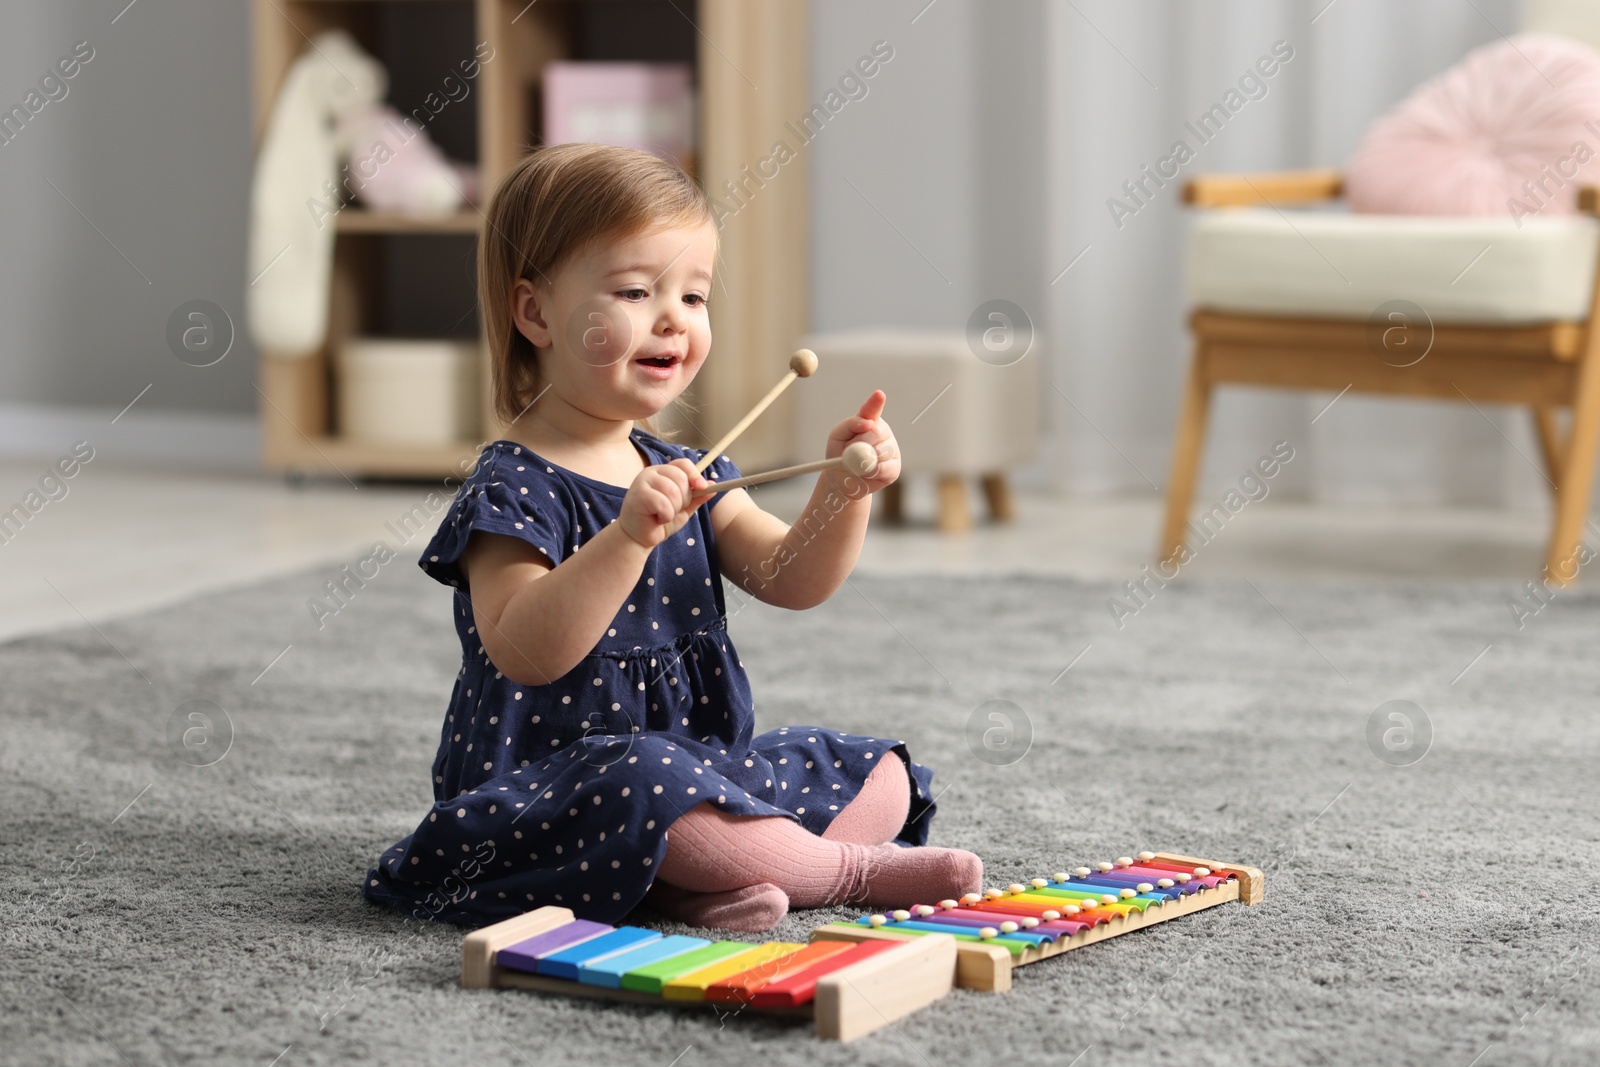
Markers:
537,620
801,566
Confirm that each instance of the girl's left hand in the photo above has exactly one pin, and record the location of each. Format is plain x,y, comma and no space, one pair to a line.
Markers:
866,426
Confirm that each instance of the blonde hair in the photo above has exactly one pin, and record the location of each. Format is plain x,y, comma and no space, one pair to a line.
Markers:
552,204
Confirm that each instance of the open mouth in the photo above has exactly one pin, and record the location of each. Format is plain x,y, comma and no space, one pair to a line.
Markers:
659,361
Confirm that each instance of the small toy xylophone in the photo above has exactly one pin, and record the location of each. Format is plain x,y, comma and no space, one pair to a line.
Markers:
849,989
1001,929
856,977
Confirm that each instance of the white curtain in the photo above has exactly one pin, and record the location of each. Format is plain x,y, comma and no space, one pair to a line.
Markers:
1122,79
979,166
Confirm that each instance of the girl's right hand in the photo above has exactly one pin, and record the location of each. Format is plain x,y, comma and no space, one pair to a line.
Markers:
657,504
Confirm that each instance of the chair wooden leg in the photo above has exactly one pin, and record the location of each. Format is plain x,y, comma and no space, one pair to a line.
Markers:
1544,420
893,497
953,514
1187,448
998,494
1577,475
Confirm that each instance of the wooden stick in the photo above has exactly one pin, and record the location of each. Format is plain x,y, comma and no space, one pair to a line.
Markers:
803,364
860,459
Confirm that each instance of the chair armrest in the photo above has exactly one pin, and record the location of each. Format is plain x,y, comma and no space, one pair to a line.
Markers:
1281,187
1589,199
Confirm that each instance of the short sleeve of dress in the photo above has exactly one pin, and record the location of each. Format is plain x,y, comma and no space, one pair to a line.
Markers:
528,505
722,469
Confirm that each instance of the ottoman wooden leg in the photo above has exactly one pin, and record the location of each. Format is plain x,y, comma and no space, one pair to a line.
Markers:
998,494
893,503
953,514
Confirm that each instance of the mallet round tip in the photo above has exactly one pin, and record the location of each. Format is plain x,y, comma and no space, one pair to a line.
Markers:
860,459
803,363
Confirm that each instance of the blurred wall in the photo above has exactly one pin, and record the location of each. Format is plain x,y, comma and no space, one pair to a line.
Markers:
928,190
980,166
974,164
1124,77
122,200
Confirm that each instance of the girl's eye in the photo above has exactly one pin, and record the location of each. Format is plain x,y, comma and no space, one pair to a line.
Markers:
695,300
632,294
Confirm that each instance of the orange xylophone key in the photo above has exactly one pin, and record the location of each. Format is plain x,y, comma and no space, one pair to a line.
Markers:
1091,916
739,988
801,987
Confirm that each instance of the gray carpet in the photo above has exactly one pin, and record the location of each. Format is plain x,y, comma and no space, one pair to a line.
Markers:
1435,912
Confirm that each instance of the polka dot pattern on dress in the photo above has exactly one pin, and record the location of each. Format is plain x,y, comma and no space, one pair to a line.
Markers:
588,778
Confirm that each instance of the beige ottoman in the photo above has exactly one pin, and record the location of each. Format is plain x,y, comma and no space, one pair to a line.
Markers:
956,416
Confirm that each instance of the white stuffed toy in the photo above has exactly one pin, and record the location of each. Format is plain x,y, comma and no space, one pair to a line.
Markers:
394,166
330,138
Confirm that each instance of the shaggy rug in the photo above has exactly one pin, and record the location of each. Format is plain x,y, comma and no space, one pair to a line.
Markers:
1412,765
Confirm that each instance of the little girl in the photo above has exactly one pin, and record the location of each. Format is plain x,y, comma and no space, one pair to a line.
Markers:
597,752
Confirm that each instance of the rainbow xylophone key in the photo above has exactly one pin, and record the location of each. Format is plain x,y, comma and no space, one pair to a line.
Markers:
848,989
1000,929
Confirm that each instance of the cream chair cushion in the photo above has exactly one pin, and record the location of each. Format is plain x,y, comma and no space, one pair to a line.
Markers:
1578,19
1326,264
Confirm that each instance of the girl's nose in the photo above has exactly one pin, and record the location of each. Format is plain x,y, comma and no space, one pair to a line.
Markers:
673,318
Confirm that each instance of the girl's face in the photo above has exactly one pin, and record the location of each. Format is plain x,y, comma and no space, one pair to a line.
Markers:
622,327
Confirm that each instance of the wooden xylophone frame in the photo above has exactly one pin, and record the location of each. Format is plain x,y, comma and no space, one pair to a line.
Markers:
848,1003
873,993
988,967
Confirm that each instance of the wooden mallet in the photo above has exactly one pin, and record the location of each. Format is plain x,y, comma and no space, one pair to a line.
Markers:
860,459
803,364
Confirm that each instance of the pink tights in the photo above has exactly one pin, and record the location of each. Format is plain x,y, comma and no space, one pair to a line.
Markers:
743,872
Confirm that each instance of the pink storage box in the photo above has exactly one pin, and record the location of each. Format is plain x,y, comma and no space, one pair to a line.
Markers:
648,106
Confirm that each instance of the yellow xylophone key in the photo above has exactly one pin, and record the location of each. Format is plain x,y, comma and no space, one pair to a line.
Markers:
693,986
1087,899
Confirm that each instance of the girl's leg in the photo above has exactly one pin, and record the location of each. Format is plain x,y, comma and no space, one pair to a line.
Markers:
878,812
709,851
752,909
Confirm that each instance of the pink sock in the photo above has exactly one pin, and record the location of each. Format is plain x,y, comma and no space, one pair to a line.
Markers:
879,810
874,817
751,909
710,851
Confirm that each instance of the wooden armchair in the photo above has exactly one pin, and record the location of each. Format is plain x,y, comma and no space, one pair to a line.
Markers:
1545,365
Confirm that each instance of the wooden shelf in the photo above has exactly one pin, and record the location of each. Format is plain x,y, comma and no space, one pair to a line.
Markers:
356,220
372,281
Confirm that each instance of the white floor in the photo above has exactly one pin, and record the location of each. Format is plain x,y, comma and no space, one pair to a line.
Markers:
124,539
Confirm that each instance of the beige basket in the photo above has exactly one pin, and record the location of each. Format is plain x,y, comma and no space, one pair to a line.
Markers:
408,392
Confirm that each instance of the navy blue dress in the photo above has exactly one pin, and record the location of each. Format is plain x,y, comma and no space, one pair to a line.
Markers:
562,794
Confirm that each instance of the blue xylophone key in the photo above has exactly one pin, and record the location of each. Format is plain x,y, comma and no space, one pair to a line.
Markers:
609,971
1120,882
1156,895
962,918
1136,875
1121,876
946,928
567,962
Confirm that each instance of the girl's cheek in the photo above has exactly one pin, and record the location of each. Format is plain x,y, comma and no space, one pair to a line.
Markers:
600,334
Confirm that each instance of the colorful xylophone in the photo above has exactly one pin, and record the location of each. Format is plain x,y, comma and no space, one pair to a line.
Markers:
856,976
848,988
1002,929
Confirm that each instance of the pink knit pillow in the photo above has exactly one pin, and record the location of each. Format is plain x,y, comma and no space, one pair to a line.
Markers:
1514,128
